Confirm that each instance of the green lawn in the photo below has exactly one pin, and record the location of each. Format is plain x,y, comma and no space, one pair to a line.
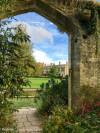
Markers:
36,82
29,102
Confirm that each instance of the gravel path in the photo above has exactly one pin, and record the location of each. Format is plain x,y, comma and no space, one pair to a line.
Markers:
28,121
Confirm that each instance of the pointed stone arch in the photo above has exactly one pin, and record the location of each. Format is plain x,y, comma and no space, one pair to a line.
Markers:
84,69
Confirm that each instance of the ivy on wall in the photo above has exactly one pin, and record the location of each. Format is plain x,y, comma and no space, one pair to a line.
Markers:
91,25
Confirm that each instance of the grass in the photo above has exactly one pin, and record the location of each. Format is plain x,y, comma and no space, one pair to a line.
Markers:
36,82
29,102
23,102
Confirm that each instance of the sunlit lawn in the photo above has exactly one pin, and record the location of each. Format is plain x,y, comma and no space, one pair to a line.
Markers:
36,82
29,102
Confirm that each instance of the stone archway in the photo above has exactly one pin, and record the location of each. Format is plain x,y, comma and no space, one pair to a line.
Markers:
81,21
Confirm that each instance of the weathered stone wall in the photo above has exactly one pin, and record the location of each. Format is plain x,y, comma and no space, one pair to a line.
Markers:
90,57
85,60
90,61
85,48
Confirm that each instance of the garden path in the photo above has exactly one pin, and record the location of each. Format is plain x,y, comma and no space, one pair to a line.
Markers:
28,121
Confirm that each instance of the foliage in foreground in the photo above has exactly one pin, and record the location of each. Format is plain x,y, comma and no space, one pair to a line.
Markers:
88,97
11,73
64,120
5,113
53,93
84,120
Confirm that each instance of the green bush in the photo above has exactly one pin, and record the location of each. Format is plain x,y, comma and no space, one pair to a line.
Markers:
86,120
63,120
53,93
11,73
5,113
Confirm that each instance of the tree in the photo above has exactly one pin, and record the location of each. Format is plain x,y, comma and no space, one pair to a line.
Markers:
24,54
12,73
39,69
53,72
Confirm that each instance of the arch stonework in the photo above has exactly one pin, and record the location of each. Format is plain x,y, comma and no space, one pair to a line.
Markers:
84,69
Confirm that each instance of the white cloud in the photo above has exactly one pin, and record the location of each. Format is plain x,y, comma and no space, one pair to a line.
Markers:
41,56
51,23
38,34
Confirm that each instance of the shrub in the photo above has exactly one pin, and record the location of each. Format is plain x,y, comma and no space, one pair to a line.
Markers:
53,72
54,93
11,73
64,120
5,113
88,97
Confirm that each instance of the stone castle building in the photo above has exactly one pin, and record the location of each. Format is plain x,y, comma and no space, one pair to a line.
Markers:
62,69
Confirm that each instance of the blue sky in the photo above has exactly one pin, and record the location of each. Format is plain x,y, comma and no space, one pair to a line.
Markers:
49,44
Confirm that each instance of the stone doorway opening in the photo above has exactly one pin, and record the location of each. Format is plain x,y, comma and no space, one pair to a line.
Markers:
78,24
49,45
61,40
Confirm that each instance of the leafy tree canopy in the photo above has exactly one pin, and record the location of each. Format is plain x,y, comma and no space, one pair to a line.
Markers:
53,72
12,68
